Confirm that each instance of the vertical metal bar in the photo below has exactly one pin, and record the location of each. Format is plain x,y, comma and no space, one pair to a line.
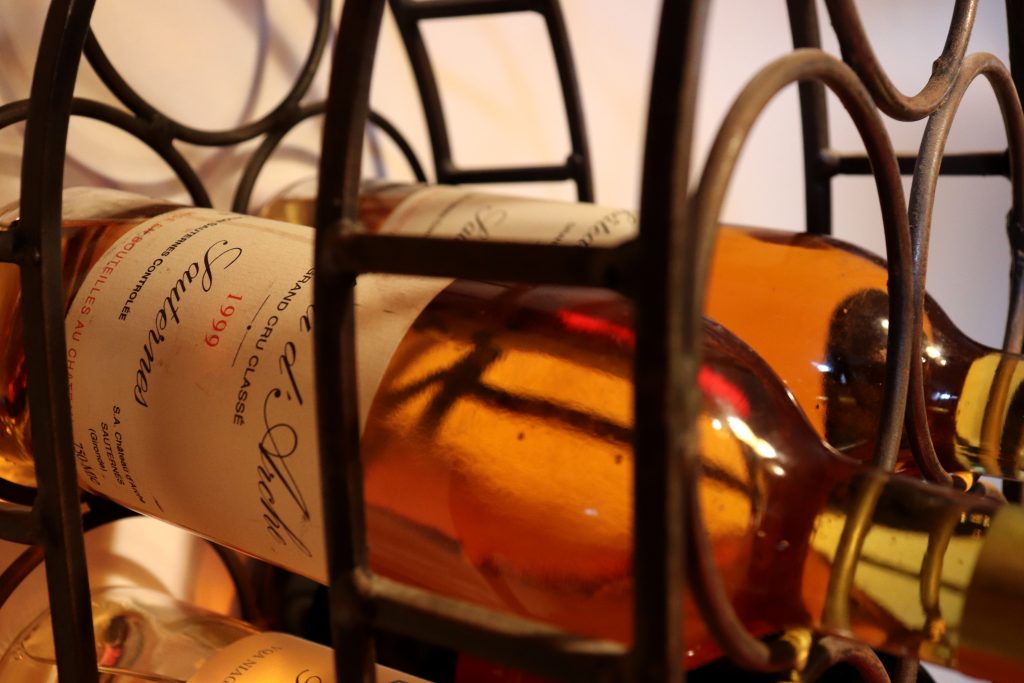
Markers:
803,22
346,112
430,97
1015,38
1015,222
666,404
408,16
43,304
579,161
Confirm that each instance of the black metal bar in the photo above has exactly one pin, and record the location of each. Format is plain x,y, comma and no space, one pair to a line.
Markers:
430,95
446,9
578,163
338,429
666,403
957,163
510,174
803,22
496,635
46,129
520,262
1015,38
408,14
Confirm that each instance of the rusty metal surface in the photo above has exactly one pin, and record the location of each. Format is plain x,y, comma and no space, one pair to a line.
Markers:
857,51
829,651
922,199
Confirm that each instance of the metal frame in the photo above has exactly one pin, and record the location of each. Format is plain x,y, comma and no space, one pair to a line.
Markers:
664,270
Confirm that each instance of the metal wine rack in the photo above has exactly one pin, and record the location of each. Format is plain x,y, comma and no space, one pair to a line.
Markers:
664,271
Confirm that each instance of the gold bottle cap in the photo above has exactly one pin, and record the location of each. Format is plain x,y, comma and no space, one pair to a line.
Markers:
991,635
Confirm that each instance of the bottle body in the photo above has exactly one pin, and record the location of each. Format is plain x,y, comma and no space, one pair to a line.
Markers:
832,296
831,299
497,433
145,635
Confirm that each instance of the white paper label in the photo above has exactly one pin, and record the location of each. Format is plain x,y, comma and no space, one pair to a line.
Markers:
190,357
280,658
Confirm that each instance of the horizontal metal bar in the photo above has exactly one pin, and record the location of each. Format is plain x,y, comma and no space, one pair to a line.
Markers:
963,163
609,267
445,9
19,524
511,174
490,634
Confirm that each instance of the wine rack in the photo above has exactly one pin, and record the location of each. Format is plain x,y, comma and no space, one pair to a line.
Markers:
664,270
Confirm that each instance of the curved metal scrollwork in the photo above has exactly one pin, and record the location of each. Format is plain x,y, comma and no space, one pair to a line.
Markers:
169,129
801,65
856,50
829,651
922,199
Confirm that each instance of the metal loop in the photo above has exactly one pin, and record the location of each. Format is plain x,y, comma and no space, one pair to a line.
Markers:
800,65
142,130
829,651
922,200
259,157
174,129
857,51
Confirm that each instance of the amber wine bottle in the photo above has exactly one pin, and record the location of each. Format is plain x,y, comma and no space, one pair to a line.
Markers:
830,298
497,433
146,635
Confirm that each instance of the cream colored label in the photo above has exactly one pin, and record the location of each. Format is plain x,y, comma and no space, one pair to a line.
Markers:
280,658
190,357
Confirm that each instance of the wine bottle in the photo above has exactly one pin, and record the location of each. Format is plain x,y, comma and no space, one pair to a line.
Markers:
831,299
145,635
497,432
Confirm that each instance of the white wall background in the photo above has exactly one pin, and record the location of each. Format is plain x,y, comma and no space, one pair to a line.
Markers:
213,63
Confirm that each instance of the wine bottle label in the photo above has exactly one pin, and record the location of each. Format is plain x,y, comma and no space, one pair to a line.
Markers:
279,658
190,360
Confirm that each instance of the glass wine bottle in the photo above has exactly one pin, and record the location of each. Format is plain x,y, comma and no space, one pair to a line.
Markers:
831,299
143,635
497,432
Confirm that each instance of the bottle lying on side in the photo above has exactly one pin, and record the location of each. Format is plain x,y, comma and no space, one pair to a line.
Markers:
814,307
497,437
146,635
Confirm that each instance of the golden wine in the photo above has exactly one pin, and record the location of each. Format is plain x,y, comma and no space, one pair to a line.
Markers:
497,435
830,299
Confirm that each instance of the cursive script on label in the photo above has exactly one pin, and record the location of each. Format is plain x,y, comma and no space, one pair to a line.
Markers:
284,503
218,252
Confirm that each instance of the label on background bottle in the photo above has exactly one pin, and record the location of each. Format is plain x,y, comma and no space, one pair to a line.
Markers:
190,360
280,658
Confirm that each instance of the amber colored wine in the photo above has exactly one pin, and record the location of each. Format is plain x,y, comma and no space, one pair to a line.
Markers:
497,443
828,300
